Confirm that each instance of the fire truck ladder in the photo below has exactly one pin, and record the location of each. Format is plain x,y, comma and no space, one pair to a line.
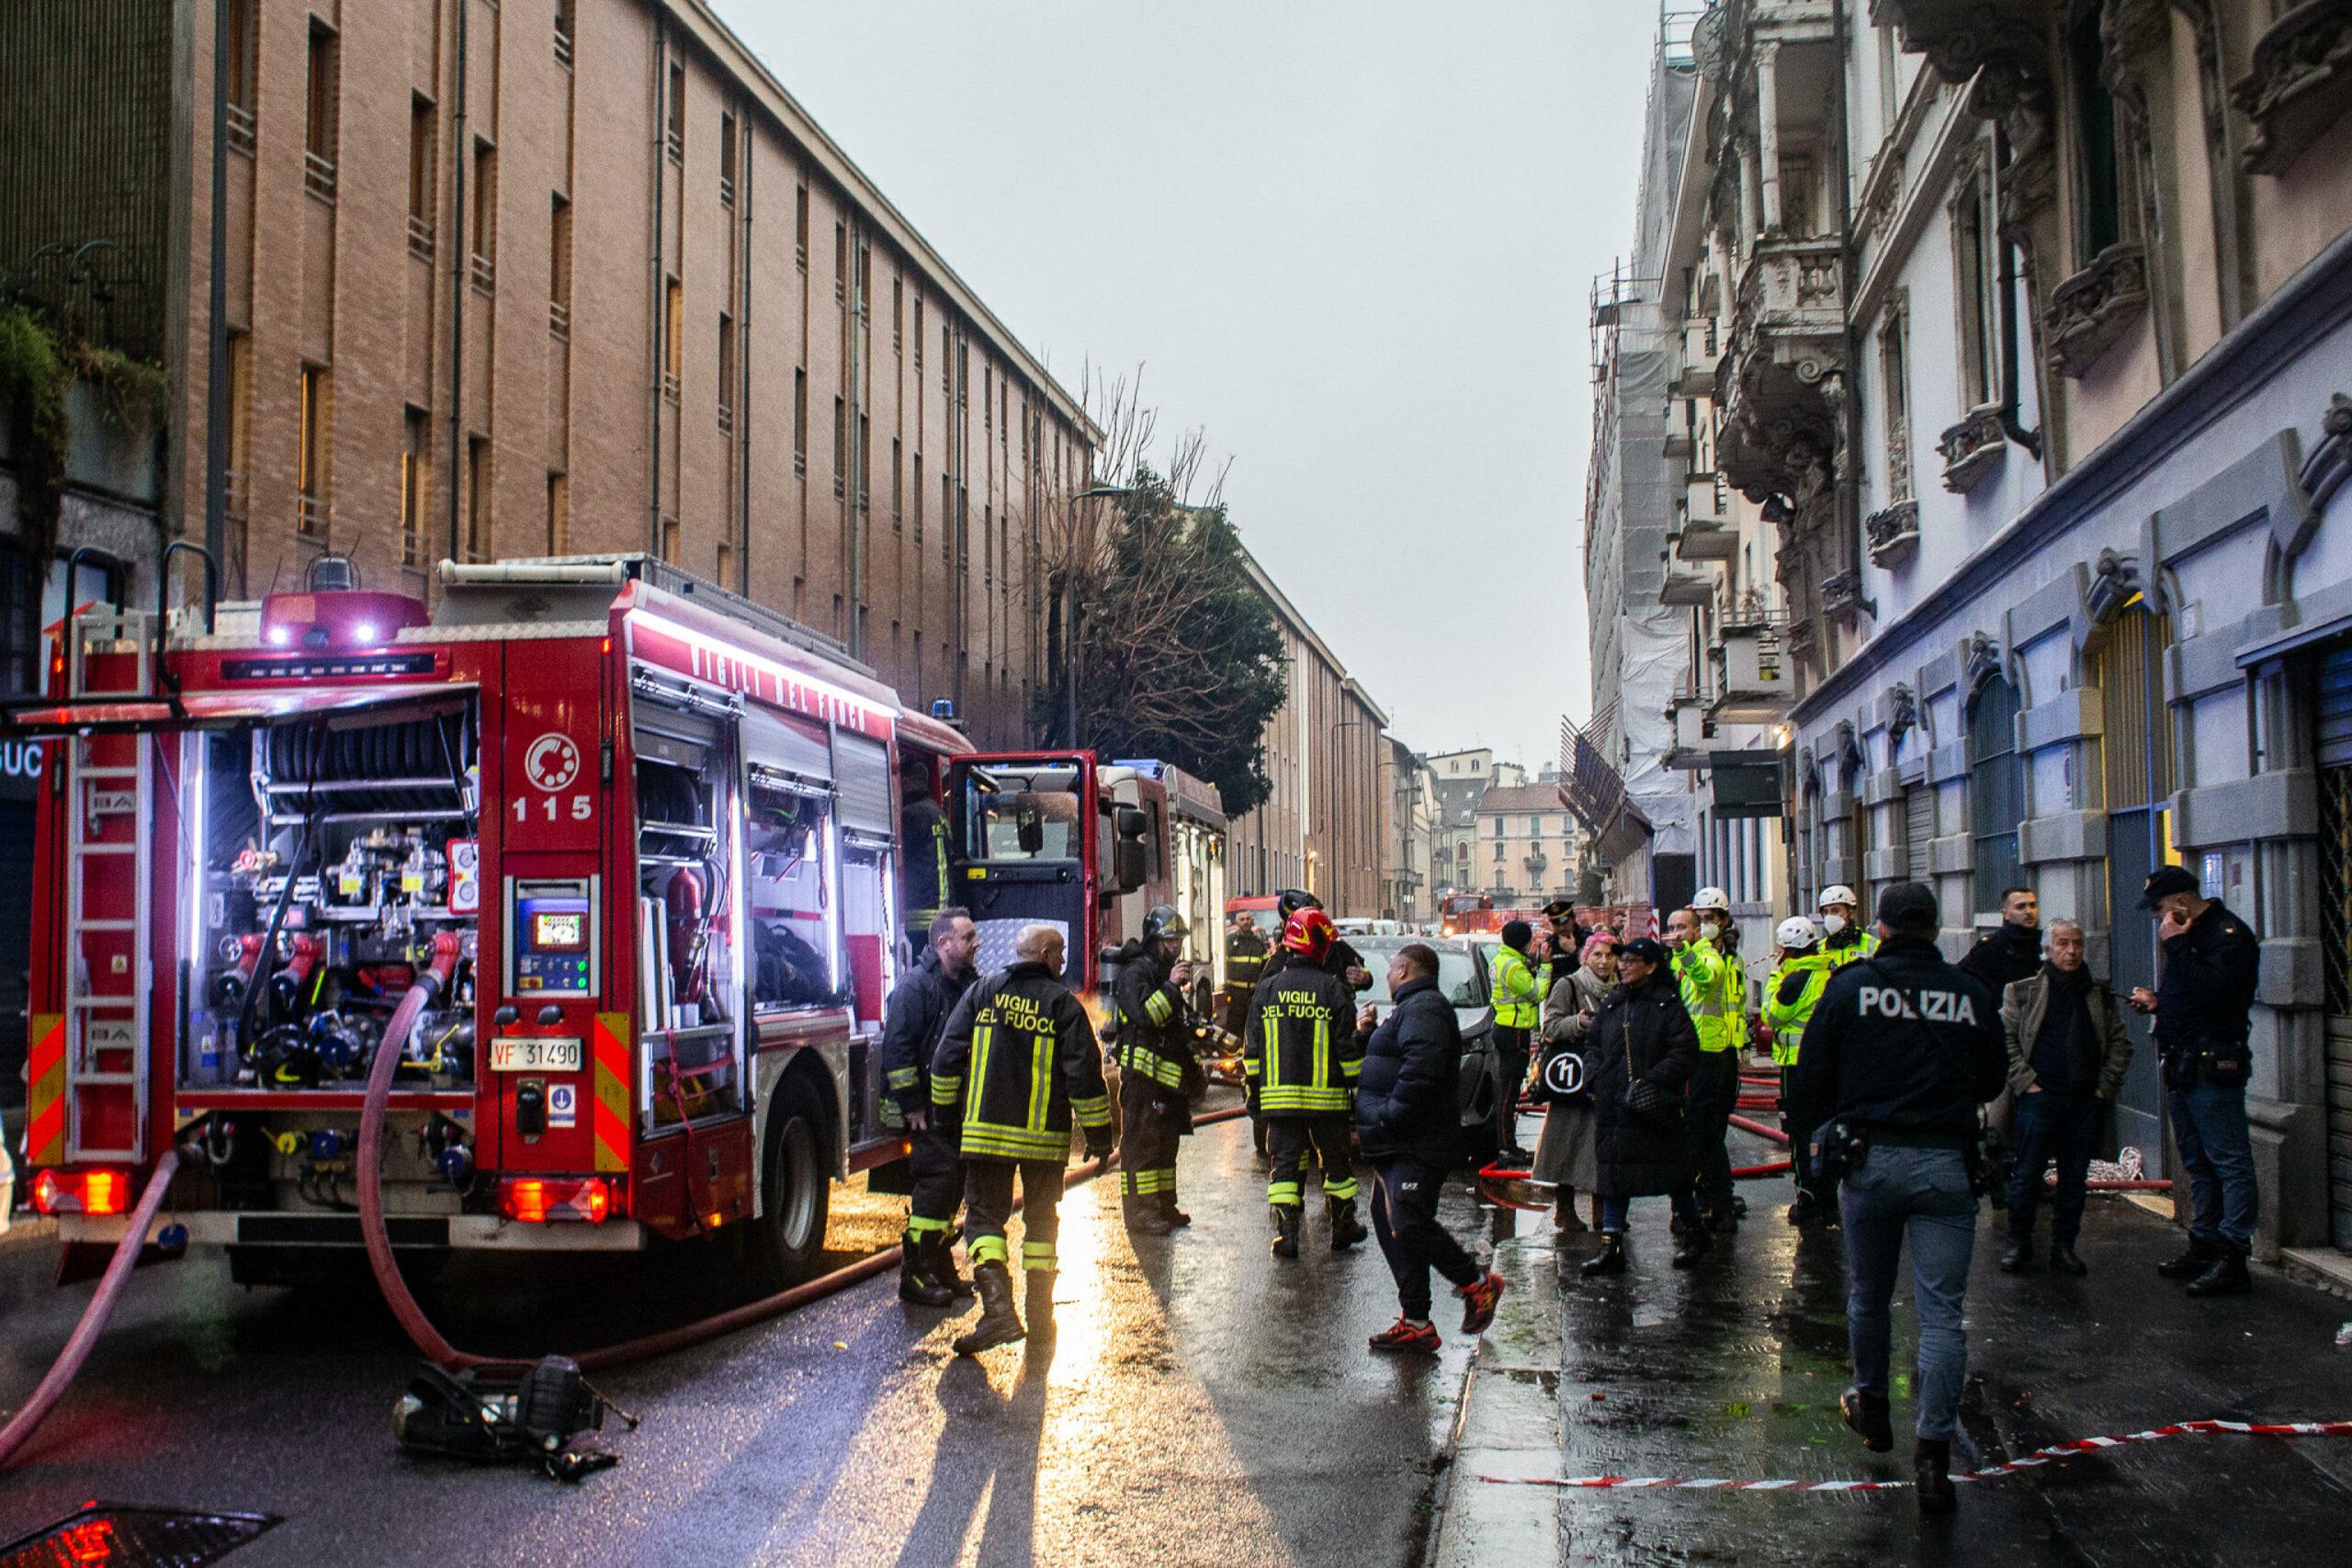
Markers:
108,984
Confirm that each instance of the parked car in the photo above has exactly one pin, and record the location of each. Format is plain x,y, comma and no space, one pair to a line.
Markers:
1461,975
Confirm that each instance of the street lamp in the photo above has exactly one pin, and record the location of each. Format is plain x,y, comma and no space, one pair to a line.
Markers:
1070,595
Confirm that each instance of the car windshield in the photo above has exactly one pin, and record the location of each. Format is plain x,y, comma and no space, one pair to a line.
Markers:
1458,971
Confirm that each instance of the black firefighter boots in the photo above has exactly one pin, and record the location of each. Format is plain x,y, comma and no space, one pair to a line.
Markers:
1346,1229
1143,1215
999,1324
1931,1473
1177,1218
943,1265
1038,1286
917,1283
1288,1217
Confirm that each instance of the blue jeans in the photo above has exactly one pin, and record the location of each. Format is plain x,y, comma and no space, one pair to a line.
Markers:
2209,1127
1922,1194
2063,1127
1613,1211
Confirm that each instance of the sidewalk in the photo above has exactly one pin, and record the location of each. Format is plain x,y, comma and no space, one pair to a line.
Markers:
1733,1371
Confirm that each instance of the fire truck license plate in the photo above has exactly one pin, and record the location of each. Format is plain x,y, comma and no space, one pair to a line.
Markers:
510,1054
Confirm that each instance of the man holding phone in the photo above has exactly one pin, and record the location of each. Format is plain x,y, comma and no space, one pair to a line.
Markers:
2210,965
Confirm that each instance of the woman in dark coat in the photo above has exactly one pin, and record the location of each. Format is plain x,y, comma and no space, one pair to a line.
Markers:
1643,1035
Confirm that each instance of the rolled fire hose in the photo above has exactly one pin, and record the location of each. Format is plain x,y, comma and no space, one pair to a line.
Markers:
93,1317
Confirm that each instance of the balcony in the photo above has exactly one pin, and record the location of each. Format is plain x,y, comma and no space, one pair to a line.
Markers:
1687,588
1694,731
1704,539
1755,682
2297,87
1787,352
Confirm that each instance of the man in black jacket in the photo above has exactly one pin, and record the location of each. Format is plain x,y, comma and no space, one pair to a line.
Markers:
2001,958
1906,1047
1408,1122
914,1019
2212,962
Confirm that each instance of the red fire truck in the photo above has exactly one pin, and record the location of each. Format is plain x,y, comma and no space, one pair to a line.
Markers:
652,830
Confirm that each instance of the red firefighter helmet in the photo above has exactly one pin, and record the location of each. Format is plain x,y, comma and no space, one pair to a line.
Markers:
1311,932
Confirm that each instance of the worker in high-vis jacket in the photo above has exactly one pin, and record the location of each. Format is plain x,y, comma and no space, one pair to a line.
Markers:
1519,1007
1156,1066
1843,936
1017,1064
1301,1053
1796,985
1714,990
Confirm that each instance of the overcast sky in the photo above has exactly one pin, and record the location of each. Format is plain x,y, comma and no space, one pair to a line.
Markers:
1351,240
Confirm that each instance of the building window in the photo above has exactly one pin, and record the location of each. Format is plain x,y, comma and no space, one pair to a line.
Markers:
416,449
898,490
898,313
946,359
422,127
676,136
563,26
312,454
800,421
558,514
674,339
672,539
865,461
485,215
1895,379
946,518
840,446
2100,204
727,160
841,261
1797,219
1996,790
477,498
917,481
1977,247
559,266
318,132
800,225
241,76
917,337
726,371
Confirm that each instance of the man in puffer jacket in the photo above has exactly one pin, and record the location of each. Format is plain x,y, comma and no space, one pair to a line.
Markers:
1408,1123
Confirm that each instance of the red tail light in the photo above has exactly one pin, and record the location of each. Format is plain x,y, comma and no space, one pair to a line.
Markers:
98,1193
538,1199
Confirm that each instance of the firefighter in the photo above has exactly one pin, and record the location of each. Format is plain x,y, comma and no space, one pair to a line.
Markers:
1789,999
1245,966
923,833
1518,1006
1342,960
1301,1054
1156,1059
1842,936
1017,1062
916,1016
1710,981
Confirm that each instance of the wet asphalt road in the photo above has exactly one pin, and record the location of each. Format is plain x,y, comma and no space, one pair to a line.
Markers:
1199,1406
1733,1369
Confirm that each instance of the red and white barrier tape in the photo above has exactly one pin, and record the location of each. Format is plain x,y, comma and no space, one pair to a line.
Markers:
2029,1462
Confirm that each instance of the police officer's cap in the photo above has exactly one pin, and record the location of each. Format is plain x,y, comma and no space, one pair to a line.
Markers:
1558,909
2164,882
1907,906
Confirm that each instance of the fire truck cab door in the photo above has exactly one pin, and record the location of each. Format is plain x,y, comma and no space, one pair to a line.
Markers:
1024,830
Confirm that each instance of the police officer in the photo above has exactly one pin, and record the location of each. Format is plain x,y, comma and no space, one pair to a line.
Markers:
1518,1002
1156,1059
1842,936
1301,1053
1714,990
1789,999
1902,1049
2200,1003
1007,1117
914,1021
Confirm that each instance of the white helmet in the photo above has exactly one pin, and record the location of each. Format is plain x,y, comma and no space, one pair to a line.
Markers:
1712,898
1797,931
1838,892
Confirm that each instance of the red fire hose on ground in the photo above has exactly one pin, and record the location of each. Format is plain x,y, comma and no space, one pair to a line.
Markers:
93,1317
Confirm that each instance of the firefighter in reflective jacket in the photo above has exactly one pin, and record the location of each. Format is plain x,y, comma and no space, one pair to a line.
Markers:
1301,1054
917,1012
1789,998
1017,1063
1843,937
1156,1063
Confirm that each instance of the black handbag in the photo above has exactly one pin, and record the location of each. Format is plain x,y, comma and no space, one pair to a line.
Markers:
1650,1105
1565,1078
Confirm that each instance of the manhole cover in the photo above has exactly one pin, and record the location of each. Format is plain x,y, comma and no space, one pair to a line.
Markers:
106,1534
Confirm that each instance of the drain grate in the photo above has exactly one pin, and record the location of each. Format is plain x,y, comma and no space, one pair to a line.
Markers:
107,1535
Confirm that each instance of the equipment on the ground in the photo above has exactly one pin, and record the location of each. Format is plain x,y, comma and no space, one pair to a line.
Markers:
542,1415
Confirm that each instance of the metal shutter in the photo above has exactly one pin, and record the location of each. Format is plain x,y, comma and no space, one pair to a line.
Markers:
861,778
1919,826
771,741
2334,706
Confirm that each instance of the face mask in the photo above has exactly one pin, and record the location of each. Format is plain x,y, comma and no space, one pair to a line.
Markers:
1833,924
